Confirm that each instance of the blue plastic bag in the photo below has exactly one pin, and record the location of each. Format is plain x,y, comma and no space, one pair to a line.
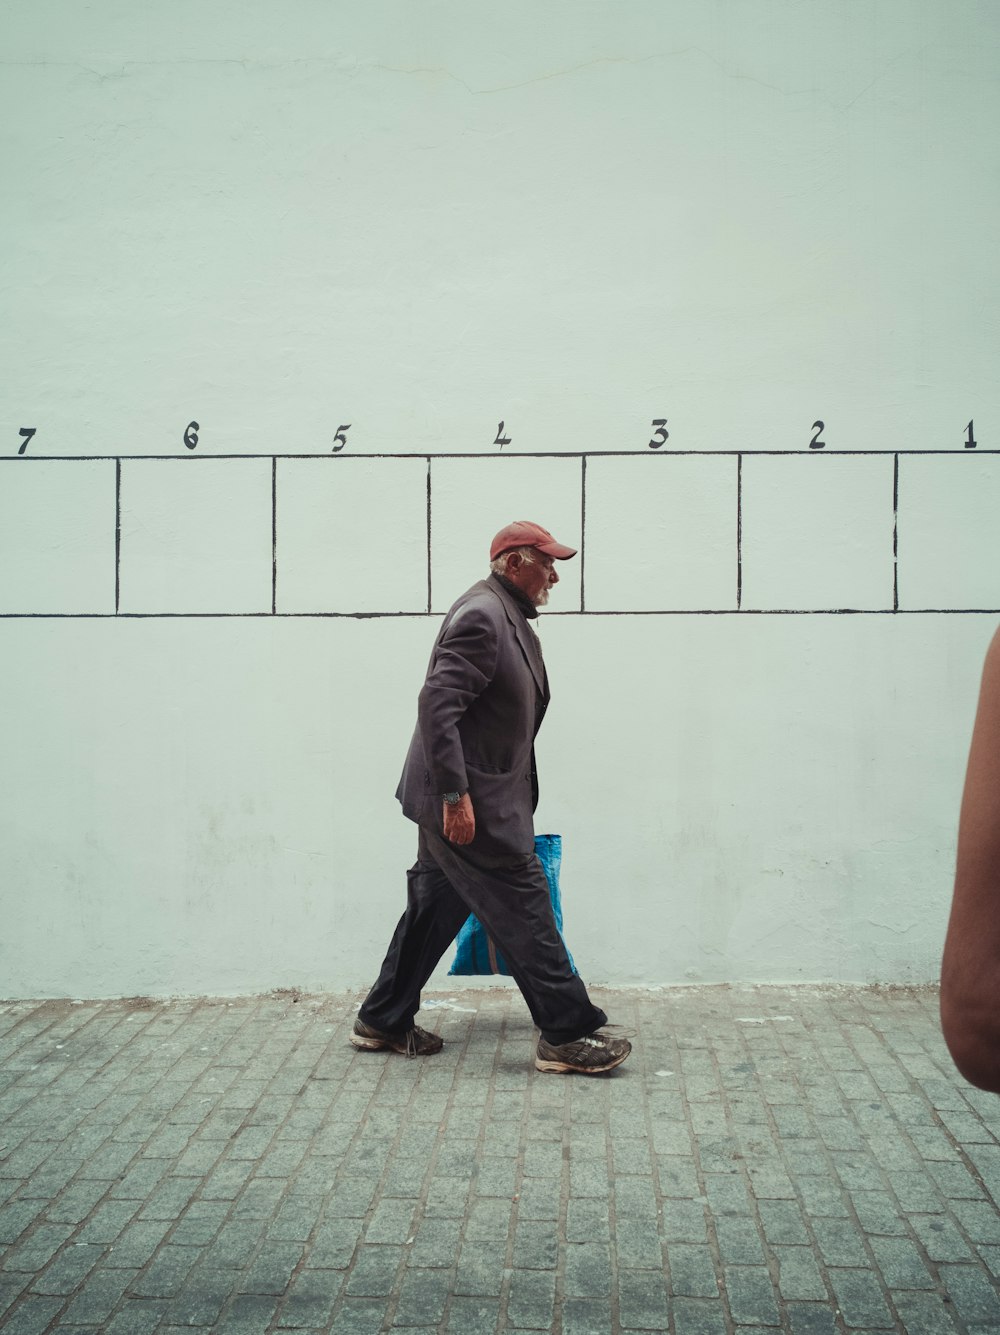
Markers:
475,952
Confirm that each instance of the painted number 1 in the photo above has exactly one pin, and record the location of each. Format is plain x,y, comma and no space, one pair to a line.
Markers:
27,432
970,443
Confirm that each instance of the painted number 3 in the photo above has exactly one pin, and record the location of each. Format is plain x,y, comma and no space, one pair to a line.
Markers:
661,430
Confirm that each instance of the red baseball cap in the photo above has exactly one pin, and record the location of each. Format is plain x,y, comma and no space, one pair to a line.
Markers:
523,533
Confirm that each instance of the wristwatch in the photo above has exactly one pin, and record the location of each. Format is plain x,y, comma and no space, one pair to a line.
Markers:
452,798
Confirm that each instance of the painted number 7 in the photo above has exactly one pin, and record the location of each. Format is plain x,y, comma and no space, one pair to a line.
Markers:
27,432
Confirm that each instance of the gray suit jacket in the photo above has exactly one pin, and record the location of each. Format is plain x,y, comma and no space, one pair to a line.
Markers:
481,705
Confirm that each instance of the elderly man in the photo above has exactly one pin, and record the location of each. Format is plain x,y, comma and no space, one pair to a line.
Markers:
469,783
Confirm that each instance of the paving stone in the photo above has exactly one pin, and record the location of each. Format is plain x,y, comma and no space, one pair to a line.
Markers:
727,1193
16,1217
751,1296
309,1299
738,1241
423,1296
839,1243
540,1198
799,1277
586,1316
917,1193
170,1199
531,1300
392,1221
973,1296
683,1221
940,1238
488,1221
272,1268
480,1269
692,1272
334,1244
901,1264
877,1213
587,1270
637,1244
201,1298
694,1316
359,1316
811,1319
447,1198
75,1203
32,1316
927,1314
437,1244
473,1316
642,1300
822,1196
69,1269
200,1223
536,1245
782,1222
860,1300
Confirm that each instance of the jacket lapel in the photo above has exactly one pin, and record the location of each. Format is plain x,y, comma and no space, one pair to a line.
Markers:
524,633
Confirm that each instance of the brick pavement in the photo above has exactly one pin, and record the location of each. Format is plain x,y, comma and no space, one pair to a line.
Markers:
769,1158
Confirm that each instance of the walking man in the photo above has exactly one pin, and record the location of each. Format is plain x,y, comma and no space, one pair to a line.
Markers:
469,782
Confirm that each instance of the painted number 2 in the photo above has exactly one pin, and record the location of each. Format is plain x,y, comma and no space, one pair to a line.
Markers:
816,443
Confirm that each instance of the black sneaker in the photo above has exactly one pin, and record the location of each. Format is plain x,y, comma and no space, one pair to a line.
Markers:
416,1042
590,1056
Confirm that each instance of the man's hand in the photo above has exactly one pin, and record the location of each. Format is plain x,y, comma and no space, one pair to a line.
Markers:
459,821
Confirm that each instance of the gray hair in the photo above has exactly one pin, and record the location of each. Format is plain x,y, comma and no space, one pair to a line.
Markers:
499,566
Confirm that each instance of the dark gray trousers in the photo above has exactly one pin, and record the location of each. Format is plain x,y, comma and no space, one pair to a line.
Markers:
511,900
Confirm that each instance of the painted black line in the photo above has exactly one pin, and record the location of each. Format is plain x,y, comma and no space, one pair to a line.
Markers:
895,534
739,531
647,612
429,602
118,534
274,534
26,459
583,529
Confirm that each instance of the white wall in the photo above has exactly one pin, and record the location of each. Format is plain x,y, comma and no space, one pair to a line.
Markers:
421,220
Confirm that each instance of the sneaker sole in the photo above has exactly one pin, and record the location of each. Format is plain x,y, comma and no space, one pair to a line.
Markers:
567,1068
372,1044
384,1045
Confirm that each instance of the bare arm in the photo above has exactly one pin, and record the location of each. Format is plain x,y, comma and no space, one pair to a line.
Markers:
970,969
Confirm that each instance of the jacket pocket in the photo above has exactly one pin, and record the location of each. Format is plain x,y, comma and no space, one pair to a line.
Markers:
485,767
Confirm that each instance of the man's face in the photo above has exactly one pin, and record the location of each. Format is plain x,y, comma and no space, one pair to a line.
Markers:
534,578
